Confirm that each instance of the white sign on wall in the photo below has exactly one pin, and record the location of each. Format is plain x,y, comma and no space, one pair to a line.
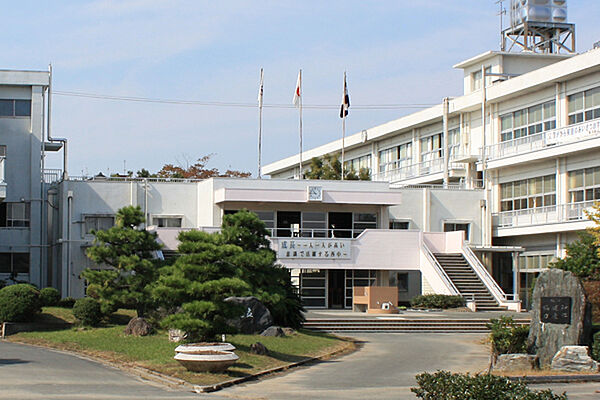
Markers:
332,249
572,133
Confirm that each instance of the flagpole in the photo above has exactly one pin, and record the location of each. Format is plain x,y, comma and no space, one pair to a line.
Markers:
300,108
260,109
343,115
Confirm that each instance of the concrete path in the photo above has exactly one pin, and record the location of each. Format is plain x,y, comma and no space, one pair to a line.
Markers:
28,373
384,369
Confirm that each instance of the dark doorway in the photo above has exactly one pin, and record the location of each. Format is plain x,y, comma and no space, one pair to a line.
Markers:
340,224
335,288
502,270
285,220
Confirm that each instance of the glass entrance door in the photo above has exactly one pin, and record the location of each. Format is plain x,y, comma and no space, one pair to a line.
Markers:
336,288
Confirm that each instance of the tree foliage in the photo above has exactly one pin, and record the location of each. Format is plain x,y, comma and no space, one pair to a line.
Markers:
329,167
582,257
197,170
127,248
198,282
269,282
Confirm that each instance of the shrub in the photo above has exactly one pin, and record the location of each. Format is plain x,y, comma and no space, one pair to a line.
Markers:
49,296
437,301
507,337
2,283
87,310
67,302
444,385
19,303
596,346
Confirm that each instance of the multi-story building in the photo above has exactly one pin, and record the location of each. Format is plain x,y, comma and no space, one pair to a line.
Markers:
525,132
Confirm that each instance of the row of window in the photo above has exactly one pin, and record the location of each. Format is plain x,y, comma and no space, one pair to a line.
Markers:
359,163
584,106
528,121
528,193
14,263
14,215
102,222
584,184
15,108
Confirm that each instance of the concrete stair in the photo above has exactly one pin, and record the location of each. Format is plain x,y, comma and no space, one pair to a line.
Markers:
467,282
398,325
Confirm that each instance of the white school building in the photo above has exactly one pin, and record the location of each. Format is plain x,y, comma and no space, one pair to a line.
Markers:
474,196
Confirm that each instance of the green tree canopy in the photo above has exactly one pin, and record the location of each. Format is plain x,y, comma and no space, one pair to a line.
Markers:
128,249
329,167
582,257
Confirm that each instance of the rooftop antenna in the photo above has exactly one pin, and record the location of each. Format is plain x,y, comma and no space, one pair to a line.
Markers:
501,13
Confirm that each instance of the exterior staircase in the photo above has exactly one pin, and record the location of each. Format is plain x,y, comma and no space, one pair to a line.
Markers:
467,282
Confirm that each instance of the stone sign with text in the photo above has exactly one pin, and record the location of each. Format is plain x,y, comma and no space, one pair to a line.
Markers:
331,249
555,310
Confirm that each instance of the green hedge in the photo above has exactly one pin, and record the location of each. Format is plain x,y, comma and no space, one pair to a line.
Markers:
437,301
49,297
444,385
88,311
19,303
596,347
507,337
67,302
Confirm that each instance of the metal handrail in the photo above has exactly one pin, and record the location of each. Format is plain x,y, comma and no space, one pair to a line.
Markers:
439,269
549,214
52,175
485,276
416,169
316,233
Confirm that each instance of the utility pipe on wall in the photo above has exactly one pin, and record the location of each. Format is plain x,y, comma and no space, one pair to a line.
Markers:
49,124
445,134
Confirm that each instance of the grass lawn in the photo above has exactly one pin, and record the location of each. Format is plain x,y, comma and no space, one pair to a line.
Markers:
155,352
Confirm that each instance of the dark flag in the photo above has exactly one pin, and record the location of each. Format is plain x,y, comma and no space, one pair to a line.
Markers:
345,100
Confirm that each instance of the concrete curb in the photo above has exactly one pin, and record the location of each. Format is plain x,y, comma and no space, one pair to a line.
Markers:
556,379
176,383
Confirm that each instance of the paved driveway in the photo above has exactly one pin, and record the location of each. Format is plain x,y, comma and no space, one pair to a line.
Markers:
384,369
33,373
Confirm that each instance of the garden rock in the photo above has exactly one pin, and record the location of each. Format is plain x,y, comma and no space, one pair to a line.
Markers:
515,362
259,348
138,327
289,331
177,335
574,359
545,339
256,317
273,331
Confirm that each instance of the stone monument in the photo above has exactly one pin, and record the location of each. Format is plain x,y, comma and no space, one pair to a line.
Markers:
561,315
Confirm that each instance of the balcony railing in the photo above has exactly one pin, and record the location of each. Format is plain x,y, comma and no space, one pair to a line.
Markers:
543,215
52,175
2,158
315,233
416,170
543,140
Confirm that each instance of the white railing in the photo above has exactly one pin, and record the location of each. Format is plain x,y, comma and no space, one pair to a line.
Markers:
554,137
543,215
52,175
440,271
315,233
416,170
2,158
509,300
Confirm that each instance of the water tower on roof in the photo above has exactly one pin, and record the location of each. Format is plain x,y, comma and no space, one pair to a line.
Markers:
539,26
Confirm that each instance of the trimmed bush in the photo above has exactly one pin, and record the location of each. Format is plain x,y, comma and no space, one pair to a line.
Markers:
67,302
507,337
49,297
444,385
88,311
596,347
437,301
19,303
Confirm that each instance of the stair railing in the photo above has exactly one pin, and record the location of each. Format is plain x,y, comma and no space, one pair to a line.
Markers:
486,278
440,271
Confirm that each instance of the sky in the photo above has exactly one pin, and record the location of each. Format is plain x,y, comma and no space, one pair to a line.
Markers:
394,52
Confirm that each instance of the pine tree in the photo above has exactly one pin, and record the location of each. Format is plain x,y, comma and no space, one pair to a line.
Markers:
127,248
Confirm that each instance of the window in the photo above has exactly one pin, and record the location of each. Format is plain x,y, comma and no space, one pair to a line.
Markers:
528,121
358,278
403,225
2,151
584,185
98,223
476,78
14,215
15,108
167,222
268,217
431,147
458,226
535,261
364,221
453,142
584,106
395,157
528,193
359,163
14,263
314,224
